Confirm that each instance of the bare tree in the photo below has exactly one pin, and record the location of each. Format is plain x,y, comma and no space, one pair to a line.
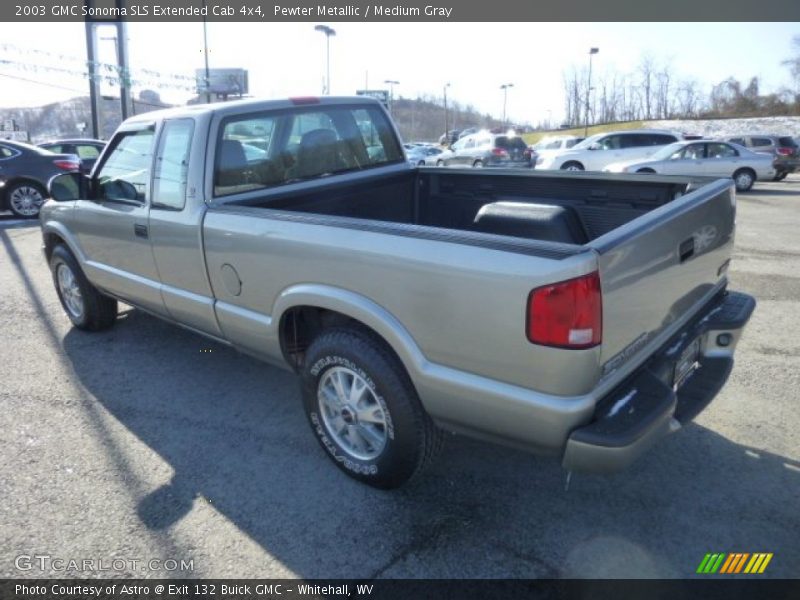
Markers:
793,64
646,77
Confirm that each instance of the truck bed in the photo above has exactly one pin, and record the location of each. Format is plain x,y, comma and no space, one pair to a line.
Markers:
449,199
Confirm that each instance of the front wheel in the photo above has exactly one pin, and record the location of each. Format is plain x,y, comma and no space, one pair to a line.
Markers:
25,199
85,306
478,164
364,411
439,163
572,166
744,179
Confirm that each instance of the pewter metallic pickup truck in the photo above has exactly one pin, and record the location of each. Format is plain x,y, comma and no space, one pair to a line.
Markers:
579,315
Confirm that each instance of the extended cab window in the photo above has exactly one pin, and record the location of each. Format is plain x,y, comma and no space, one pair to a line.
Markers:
124,175
261,151
172,164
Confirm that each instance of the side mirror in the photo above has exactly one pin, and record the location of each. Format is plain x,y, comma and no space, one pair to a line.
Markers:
68,186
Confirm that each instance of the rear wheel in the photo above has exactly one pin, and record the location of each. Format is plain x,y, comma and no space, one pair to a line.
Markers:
25,199
744,179
478,164
645,170
84,304
364,411
439,163
572,166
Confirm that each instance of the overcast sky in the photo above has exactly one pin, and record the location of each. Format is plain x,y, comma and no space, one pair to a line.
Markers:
288,59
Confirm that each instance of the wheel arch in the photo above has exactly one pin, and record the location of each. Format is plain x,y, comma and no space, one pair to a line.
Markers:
55,233
304,311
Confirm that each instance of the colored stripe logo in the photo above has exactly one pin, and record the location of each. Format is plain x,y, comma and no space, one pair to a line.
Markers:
734,562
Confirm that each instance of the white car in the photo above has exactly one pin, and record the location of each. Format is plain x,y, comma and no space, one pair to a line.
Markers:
707,158
552,145
595,153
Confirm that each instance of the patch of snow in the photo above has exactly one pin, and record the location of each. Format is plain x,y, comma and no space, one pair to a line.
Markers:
716,128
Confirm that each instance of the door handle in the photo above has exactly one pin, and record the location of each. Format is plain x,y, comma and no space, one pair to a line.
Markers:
140,230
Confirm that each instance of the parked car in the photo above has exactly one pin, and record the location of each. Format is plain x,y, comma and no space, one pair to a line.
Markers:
714,159
409,300
423,155
552,145
25,171
783,149
484,149
598,151
86,149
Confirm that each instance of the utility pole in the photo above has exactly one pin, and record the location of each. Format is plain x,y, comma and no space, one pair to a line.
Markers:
446,132
91,60
505,87
391,83
328,31
207,82
592,52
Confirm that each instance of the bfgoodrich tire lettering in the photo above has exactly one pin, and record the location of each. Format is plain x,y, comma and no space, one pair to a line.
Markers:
375,398
85,306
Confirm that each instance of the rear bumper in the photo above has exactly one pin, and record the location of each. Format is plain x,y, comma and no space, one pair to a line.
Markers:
788,165
646,407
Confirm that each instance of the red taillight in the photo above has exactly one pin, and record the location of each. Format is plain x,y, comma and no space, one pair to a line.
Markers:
67,165
568,314
499,152
785,151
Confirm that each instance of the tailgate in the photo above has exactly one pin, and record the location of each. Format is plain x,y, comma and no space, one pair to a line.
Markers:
657,270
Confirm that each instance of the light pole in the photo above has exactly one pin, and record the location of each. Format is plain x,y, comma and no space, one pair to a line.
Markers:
446,132
328,31
391,83
592,52
505,87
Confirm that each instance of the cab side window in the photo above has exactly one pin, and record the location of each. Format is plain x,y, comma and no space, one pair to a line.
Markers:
125,174
172,164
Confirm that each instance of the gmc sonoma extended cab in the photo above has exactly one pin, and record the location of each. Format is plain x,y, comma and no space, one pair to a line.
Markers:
580,315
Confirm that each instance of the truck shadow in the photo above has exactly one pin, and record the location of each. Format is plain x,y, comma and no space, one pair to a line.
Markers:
234,432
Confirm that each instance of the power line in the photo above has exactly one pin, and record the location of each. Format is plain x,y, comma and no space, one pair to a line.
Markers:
69,89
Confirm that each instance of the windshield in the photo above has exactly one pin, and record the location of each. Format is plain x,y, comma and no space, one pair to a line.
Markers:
667,151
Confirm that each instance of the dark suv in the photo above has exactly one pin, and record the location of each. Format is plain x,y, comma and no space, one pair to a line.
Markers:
484,149
783,148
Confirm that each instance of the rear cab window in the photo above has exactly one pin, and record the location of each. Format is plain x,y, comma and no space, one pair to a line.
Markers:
259,151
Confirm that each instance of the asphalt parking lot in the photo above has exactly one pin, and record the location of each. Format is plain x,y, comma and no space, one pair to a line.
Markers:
148,442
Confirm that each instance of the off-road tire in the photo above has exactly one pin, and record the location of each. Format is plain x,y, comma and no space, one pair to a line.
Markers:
411,439
99,311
